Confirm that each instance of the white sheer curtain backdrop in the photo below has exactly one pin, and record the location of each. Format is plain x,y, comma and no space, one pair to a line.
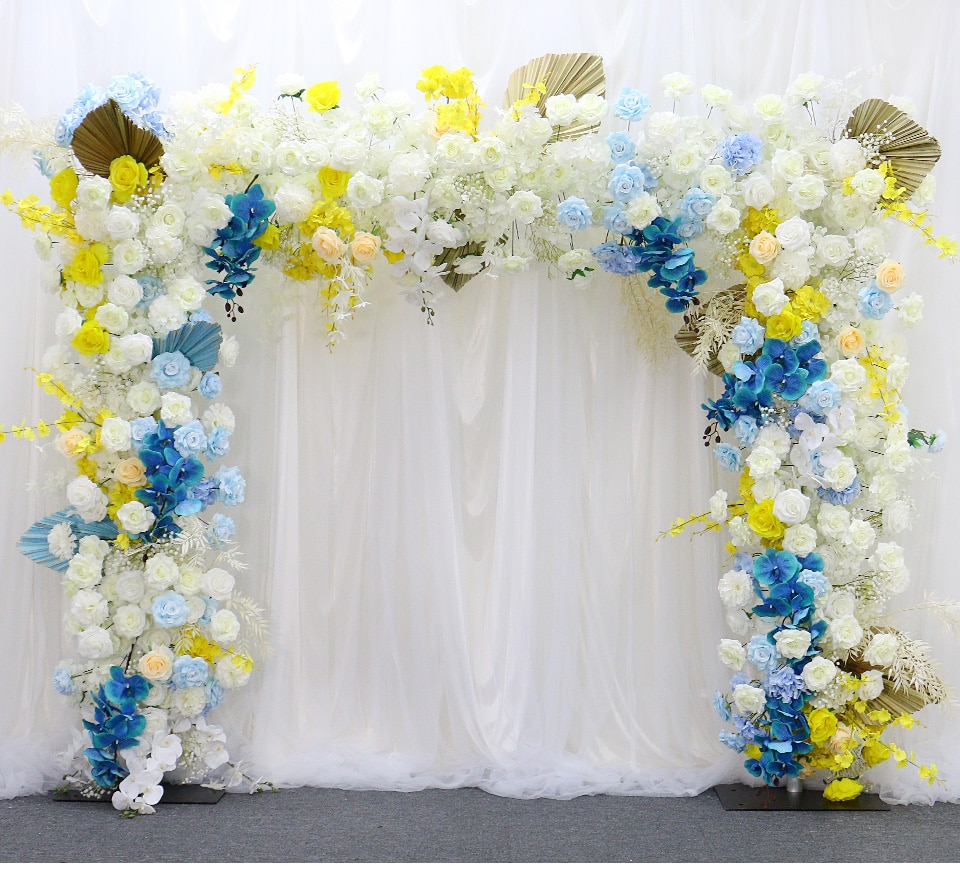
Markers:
454,527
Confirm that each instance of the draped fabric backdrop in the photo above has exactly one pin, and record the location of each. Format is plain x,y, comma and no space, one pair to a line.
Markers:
453,527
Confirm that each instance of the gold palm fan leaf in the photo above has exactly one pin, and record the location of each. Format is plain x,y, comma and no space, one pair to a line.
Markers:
576,73
887,134
106,133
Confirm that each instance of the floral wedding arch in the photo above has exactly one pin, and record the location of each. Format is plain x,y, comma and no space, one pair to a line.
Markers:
763,228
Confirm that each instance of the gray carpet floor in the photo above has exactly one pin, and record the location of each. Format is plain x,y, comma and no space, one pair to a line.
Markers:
468,825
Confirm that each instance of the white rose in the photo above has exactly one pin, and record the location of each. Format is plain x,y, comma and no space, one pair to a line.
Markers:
642,210
67,324
845,632
229,350
490,151
793,234
189,582
800,539
130,586
87,498
289,159
910,309
135,518
676,85
219,415
124,292
217,583
850,213
862,534
115,434
524,206
818,673
839,603
175,409
189,701
93,547
364,191
833,521
739,622
591,109
718,506
724,218
888,557
289,84
166,315
129,256
769,107
224,626
136,348
848,374
757,191
769,297
805,88
871,685
129,621
453,148
788,165
834,250
196,607
122,223
169,217
95,643
840,475
663,127
882,650
846,158
160,572
793,643
731,654
715,180
188,293
791,506
87,296
164,246
444,234
230,673
144,398
94,192
736,589
763,462
897,517
807,192
766,488
561,109
749,699
868,184
714,95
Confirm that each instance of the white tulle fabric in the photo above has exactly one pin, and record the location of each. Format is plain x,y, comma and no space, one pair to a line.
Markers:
454,527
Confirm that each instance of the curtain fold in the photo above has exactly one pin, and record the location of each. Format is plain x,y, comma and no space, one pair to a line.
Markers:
454,527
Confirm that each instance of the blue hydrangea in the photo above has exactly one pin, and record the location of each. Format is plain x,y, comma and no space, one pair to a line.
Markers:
152,288
222,529
741,152
745,430
816,581
574,213
734,741
615,258
615,220
783,684
841,498
218,442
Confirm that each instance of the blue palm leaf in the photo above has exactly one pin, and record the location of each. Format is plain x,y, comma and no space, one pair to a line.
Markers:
34,542
199,342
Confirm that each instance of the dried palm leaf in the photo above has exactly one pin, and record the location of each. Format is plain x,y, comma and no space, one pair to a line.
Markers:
887,134
106,133
708,326
575,73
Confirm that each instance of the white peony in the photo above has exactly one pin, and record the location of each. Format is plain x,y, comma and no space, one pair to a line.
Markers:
736,589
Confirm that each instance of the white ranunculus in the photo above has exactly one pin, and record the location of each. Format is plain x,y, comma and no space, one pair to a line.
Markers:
95,643
166,315
164,246
736,589
818,673
749,699
793,643
731,654
294,202
642,210
882,650
189,702
791,506
769,297
87,498
175,409
89,608
219,415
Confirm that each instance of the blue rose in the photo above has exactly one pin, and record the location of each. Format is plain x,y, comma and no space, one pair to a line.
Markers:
741,152
734,741
231,485
222,528
745,430
218,443
728,457
631,105
215,694
815,581
626,182
141,427
574,213
615,258
762,653
170,370
63,681
696,204
189,672
621,146
873,302
809,332
210,385
190,439
151,287
170,609
688,228
821,397
748,336
206,491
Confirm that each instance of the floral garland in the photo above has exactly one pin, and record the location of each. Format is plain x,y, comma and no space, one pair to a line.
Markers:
762,229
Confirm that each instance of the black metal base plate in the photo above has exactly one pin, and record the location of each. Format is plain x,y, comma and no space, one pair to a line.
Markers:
749,798
171,794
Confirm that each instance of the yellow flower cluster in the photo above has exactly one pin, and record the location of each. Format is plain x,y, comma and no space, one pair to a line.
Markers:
893,206
875,367
243,79
461,112
533,96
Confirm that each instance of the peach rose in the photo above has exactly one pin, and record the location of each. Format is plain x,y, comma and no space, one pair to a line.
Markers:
851,342
364,248
764,247
130,471
157,664
889,276
68,443
327,244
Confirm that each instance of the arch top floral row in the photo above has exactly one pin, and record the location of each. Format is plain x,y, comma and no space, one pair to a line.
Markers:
761,227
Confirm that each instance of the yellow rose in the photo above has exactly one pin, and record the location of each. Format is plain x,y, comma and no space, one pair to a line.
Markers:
364,248
63,187
822,724
785,325
889,276
269,239
130,471
327,244
86,263
91,339
157,664
322,96
764,523
851,341
842,789
764,247
126,175
874,752
333,182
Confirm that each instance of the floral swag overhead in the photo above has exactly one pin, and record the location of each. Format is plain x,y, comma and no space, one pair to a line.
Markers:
763,229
